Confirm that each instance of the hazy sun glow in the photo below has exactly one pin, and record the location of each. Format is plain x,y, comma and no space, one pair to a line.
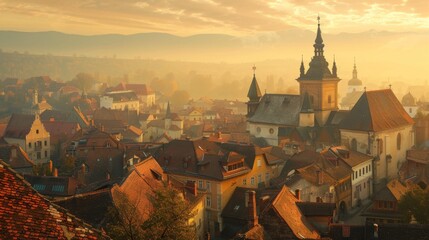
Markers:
187,17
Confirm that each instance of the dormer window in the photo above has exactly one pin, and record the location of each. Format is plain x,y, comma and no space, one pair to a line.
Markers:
234,166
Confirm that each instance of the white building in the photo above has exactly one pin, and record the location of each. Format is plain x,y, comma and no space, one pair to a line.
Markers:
121,100
379,126
409,103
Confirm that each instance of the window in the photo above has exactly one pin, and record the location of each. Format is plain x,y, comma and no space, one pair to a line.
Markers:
244,181
354,144
37,131
208,186
46,154
58,188
267,177
252,181
29,145
208,201
398,141
39,155
360,172
259,178
39,187
259,162
366,169
258,130
200,184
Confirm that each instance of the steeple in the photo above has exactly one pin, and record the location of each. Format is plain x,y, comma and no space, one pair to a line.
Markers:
168,112
355,80
354,70
302,68
334,68
254,93
318,43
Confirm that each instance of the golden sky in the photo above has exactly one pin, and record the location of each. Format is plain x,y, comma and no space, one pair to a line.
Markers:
188,17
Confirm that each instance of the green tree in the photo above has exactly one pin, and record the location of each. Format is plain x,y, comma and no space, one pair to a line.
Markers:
169,217
83,81
416,203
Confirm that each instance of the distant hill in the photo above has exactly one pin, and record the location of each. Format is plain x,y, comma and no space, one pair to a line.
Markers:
219,58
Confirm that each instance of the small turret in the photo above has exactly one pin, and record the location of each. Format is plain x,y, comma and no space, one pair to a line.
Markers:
302,68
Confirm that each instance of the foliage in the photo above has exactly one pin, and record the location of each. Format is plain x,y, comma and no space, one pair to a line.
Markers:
68,164
180,98
83,81
416,203
167,219
123,222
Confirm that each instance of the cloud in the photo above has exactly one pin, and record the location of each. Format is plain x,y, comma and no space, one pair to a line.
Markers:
186,17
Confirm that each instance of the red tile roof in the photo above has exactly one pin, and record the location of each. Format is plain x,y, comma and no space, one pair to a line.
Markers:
376,111
24,214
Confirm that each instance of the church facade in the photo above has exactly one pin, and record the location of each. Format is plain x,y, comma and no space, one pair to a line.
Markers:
271,116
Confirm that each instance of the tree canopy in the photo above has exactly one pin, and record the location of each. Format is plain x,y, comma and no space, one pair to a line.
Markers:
415,203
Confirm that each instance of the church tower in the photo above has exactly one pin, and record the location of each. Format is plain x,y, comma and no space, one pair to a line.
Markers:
355,84
319,82
254,95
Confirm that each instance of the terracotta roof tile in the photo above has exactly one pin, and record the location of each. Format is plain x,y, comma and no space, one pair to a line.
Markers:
25,214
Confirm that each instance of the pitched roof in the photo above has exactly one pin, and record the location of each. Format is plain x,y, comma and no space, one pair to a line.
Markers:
316,208
376,111
285,205
139,89
280,109
25,214
19,125
15,156
148,176
121,96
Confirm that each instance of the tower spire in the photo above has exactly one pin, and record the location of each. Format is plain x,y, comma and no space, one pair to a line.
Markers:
318,43
302,68
334,68
354,69
168,112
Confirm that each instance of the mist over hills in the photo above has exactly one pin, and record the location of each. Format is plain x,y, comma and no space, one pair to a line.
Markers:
382,57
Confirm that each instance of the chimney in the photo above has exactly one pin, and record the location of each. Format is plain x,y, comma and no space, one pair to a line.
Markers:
319,175
55,173
251,206
298,194
50,166
219,135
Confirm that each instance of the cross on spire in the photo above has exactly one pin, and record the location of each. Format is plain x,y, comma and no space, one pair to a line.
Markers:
318,19
254,69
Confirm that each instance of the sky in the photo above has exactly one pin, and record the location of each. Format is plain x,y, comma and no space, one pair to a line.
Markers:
234,17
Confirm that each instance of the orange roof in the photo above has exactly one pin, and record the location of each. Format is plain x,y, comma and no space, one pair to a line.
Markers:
376,111
25,214
285,206
147,175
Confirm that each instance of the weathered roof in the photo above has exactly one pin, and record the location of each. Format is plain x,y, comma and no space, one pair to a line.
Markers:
351,99
316,208
148,176
15,156
335,117
25,214
282,109
393,191
19,125
351,158
285,205
121,96
376,111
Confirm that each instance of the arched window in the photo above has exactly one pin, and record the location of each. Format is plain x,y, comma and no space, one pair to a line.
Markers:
398,141
354,144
